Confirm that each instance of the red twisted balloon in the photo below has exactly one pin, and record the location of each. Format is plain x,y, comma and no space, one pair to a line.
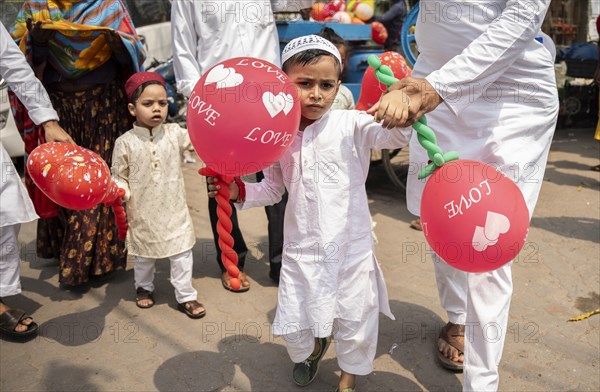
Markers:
228,254
114,199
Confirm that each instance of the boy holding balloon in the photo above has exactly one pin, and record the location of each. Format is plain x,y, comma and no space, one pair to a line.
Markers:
146,164
331,284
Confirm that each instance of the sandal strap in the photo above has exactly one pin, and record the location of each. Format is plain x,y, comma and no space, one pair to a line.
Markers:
449,333
11,318
192,305
142,294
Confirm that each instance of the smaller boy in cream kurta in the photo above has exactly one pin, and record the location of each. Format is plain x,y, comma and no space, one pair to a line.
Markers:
147,165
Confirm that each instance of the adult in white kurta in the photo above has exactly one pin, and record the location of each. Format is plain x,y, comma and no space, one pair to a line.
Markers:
485,59
329,273
15,205
207,32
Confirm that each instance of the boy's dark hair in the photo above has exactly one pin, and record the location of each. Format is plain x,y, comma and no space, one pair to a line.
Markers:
138,91
310,56
330,35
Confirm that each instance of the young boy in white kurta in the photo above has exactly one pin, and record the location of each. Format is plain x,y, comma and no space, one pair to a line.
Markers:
147,165
331,283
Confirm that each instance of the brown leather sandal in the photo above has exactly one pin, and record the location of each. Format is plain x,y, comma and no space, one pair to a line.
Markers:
142,295
189,307
9,320
448,334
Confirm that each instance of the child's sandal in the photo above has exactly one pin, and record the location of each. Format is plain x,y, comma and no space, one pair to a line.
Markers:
144,295
190,306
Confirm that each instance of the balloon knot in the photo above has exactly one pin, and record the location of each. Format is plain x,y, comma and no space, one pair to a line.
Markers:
438,159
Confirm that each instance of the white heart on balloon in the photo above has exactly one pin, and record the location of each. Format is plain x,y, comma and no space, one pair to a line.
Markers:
480,242
289,102
224,77
275,104
495,224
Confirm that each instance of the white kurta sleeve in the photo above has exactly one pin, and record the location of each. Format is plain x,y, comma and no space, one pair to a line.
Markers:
267,192
185,50
22,81
370,134
465,78
120,167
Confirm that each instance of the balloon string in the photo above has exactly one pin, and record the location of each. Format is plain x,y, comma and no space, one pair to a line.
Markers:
425,135
229,256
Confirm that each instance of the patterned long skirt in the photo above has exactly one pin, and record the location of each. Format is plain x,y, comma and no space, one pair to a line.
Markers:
85,242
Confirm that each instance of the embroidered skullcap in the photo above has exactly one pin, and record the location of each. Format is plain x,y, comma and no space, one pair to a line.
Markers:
137,79
308,42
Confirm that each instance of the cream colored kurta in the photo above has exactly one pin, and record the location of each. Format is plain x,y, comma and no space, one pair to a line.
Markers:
328,248
147,164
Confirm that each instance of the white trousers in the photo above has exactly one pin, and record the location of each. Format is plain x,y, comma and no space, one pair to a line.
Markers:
480,302
181,275
10,261
355,341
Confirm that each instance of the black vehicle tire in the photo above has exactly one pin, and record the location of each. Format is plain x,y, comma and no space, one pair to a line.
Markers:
396,164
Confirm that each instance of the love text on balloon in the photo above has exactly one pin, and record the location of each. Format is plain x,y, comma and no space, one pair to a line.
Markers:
204,110
268,136
467,200
279,75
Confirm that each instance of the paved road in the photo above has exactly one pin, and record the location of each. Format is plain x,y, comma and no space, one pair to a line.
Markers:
94,338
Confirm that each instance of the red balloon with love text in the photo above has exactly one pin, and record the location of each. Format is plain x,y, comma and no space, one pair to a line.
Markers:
242,115
473,216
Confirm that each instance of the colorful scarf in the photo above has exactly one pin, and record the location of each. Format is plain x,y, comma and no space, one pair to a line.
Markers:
79,46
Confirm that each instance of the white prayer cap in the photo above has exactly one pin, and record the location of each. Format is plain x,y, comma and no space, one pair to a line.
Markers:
308,42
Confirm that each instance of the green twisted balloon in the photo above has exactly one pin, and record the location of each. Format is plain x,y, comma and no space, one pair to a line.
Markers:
425,135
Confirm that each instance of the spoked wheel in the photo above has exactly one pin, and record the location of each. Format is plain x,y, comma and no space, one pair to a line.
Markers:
396,165
407,36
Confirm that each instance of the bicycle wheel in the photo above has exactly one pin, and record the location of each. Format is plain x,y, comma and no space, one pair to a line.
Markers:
407,36
396,165
377,156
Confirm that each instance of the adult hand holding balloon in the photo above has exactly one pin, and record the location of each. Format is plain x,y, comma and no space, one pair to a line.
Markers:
473,216
242,115
76,178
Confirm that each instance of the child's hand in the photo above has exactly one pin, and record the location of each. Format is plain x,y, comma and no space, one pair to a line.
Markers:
423,97
392,109
214,189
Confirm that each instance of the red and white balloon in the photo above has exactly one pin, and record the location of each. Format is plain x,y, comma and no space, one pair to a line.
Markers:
242,116
75,178
473,216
